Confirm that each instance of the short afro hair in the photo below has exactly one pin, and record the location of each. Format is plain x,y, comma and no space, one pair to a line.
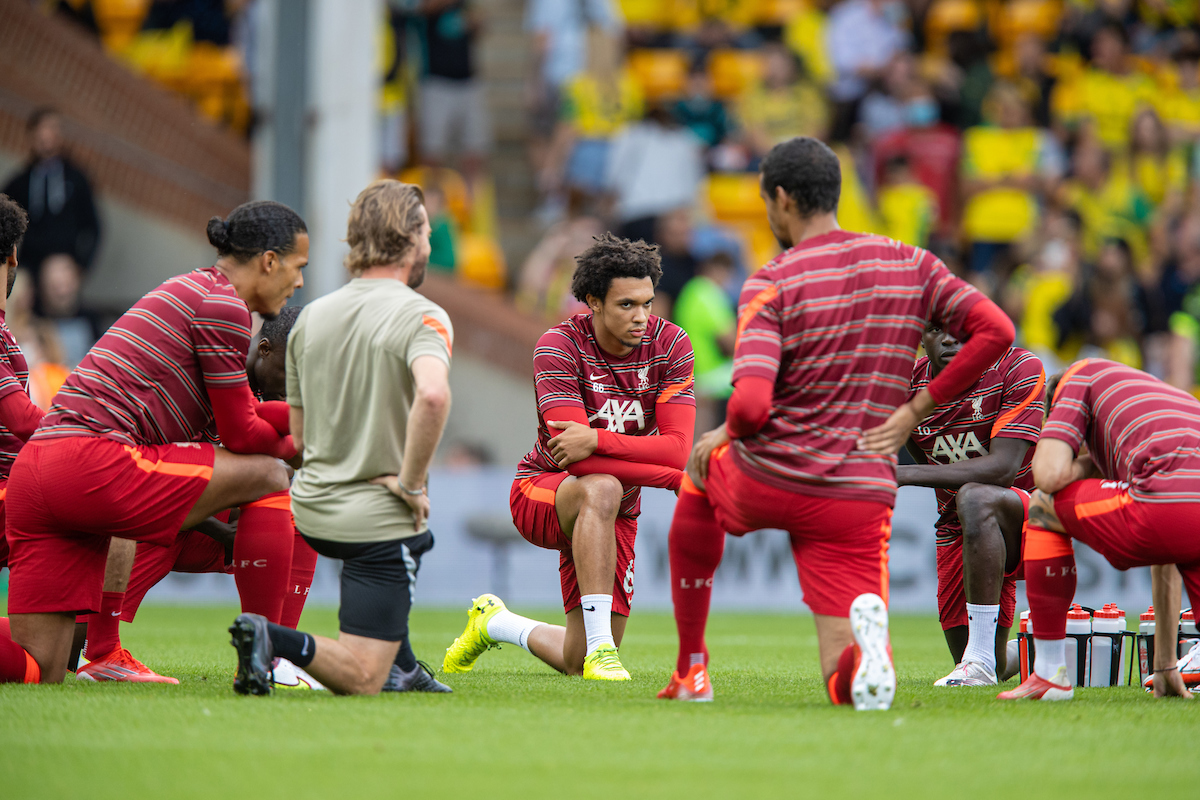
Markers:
613,257
276,330
13,222
808,171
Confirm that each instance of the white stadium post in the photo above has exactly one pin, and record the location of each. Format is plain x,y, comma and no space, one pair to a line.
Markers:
342,147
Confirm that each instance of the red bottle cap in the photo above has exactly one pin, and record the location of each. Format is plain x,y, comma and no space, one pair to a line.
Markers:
1077,612
1189,616
1108,613
1148,614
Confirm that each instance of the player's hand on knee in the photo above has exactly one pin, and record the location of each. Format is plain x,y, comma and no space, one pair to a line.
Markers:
697,466
575,443
1169,683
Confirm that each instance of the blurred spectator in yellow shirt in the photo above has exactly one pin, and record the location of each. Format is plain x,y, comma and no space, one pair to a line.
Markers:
1111,205
1037,289
805,35
1002,172
1158,170
1179,105
907,207
1107,95
786,104
1106,315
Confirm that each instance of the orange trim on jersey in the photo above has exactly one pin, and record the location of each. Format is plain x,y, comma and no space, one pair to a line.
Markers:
3,493
719,452
33,672
169,467
754,306
884,576
278,500
674,389
1011,414
1041,544
537,494
1097,507
1078,365
440,329
688,486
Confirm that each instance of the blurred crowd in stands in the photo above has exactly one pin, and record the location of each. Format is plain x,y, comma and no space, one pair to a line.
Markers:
1044,149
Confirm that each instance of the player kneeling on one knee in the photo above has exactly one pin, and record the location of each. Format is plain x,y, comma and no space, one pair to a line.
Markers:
368,385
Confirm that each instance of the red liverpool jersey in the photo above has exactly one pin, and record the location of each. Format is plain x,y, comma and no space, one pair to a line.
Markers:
1006,403
835,323
617,394
1138,429
145,381
14,377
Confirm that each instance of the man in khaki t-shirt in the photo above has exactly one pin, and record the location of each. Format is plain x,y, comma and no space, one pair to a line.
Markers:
368,385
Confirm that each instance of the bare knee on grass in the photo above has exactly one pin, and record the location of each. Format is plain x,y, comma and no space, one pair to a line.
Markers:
46,637
353,664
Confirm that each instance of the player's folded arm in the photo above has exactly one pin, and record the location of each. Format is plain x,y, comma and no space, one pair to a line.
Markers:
629,473
19,414
669,448
241,429
986,333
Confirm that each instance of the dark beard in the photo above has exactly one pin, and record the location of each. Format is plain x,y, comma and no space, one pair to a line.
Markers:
417,276
12,279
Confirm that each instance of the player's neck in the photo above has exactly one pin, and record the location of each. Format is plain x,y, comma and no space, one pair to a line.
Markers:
397,271
803,228
608,343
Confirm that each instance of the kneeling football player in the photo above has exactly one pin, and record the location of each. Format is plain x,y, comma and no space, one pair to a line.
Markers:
975,451
616,412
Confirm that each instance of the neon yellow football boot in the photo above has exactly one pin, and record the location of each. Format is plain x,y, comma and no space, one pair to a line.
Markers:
460,656
602,664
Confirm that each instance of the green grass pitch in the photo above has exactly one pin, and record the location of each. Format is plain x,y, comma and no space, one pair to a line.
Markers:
515,729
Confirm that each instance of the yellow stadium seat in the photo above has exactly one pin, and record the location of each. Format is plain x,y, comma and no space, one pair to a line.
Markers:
778,12
119,21
481,262
453,186
660,73
947,16
734,71
758,243
734,197
1017,18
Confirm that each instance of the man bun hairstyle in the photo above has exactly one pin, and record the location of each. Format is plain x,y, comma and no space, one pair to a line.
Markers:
13,222
613,257
276,330
254,228
808,171
384,224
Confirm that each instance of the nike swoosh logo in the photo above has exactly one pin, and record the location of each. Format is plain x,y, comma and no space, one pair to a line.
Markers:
116,613
593,608
599,377
304,650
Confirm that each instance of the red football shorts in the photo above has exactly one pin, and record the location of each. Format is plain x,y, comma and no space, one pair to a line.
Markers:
840,546
534,514
191,551
952,599
3,513
68,497
1131,533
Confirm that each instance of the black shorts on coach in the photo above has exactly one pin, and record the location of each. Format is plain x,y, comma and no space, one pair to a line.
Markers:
379,580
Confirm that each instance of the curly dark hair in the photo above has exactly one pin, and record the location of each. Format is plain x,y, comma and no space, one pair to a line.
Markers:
808,171
276,330
613,257
254,228
13,222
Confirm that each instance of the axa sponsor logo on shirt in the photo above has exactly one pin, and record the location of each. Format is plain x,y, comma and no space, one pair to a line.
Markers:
955,448
619,413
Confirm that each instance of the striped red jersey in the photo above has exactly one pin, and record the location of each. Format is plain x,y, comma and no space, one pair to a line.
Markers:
835,323
1137,429
14,377
145,381
1006,403
618,394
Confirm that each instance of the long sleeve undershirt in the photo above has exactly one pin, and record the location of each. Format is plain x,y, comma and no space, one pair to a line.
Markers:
629,473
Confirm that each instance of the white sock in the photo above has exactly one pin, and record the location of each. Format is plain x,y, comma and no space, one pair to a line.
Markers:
597,620
512,628
1051,654
981,636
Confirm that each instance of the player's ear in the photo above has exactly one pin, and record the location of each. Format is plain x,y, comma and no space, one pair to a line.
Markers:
264,348
270,260
594,303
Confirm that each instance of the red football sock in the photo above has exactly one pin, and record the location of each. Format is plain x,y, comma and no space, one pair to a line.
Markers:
1049,581
839,681
304,564
104,627
696,544
16,666
262,554
5,631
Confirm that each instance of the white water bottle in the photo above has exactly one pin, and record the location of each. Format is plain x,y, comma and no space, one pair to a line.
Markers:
1188,632
1146,643
1107,620
1078,650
